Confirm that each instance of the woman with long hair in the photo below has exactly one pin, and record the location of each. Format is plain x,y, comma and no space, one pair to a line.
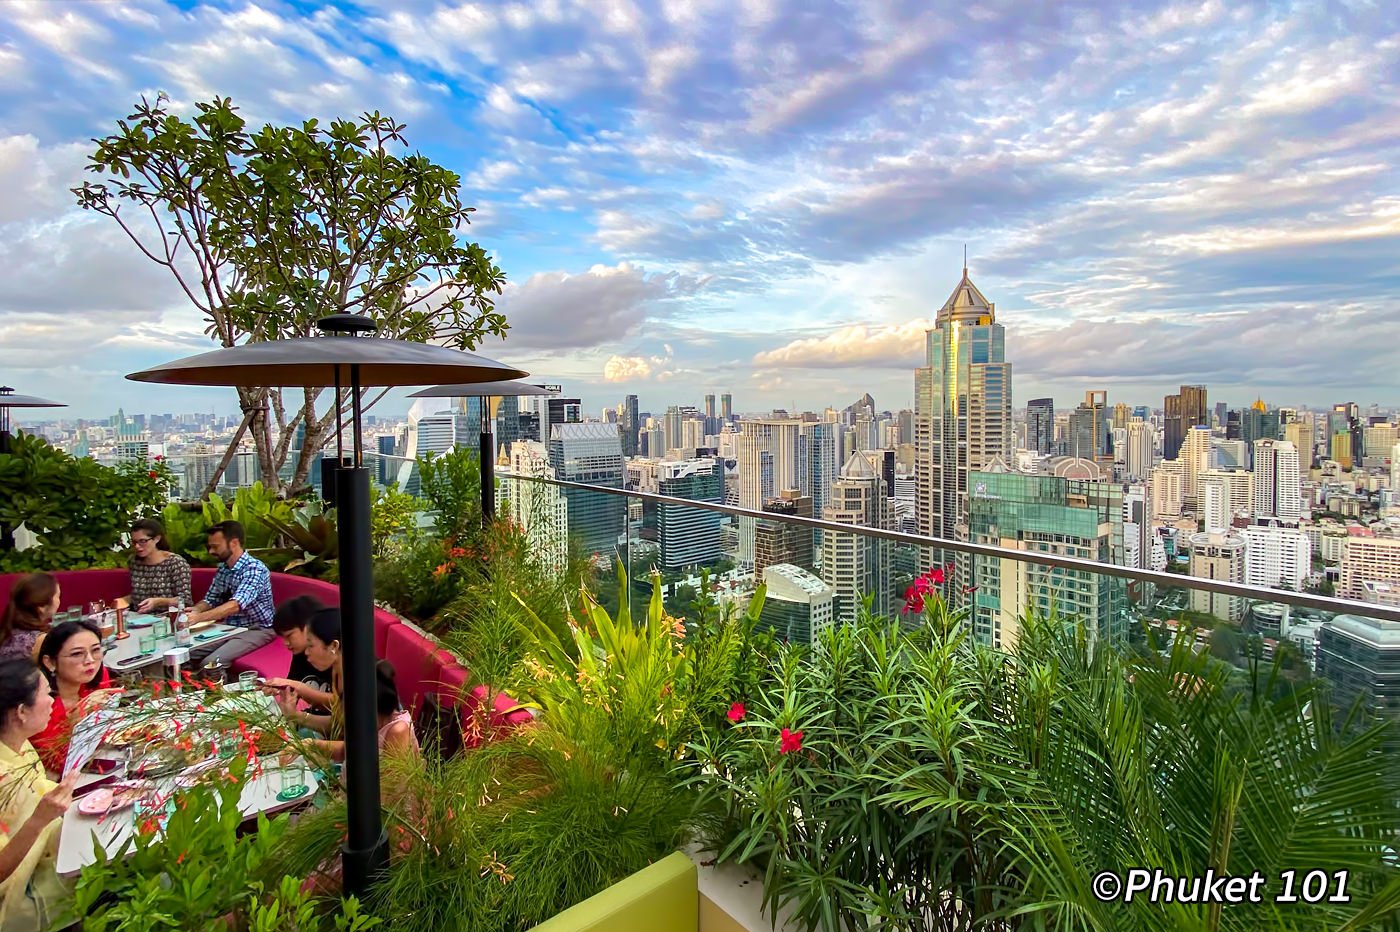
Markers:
324,653
159,577
28,615
71,658
31,805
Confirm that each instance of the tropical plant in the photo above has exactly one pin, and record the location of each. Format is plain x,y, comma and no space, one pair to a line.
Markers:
913,779
78,509
189,867
287,225
393,514
451,490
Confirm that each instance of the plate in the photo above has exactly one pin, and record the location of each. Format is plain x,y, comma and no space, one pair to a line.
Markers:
103,801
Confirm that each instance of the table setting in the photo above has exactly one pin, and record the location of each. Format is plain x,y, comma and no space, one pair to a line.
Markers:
152,748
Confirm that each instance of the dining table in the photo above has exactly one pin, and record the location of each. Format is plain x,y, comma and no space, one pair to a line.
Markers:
272,785
126,655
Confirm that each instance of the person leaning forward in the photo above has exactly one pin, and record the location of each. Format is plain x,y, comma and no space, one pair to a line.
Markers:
240,595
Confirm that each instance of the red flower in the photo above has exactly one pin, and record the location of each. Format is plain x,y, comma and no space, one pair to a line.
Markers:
736,712
789,741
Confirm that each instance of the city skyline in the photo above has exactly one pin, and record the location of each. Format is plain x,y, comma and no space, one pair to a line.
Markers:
758,201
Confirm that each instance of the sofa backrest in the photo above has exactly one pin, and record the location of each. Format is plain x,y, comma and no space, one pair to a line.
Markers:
421,665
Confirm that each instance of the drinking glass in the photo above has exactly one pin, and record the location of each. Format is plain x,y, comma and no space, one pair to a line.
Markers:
293,780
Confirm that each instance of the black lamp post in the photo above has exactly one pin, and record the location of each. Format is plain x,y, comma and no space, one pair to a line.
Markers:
347,356
486,392
8,400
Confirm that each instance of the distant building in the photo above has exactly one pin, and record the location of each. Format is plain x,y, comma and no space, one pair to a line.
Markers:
1218,555
591,454
1050,515
689,536
856,565
783,542
798,605
1360,657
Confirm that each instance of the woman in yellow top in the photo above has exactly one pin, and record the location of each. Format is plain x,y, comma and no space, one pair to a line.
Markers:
31,805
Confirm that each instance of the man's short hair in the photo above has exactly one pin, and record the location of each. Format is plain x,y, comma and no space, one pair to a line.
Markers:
231,530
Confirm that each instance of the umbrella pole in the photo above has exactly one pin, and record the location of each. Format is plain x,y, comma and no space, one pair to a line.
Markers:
487,446
365,855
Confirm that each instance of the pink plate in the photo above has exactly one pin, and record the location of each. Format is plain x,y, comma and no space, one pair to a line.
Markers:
103,801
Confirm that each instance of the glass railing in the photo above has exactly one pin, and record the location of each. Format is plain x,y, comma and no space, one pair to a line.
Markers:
820,572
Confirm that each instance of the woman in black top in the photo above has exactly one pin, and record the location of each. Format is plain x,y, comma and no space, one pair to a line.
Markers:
312,686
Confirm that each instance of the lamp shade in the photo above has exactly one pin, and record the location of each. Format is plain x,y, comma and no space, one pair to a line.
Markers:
482,390
8,399
319,362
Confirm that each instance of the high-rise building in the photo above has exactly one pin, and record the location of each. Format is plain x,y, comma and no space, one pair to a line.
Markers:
856,565
962,406
1374,559
592,454
1360,657
798,605
1090,429
689,536
1040,424
1181,412
631,426
1047,514
1278,489
1140,457
1218,555
538,507
780,541
1276,557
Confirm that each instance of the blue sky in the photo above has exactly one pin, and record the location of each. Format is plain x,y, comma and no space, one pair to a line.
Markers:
772,197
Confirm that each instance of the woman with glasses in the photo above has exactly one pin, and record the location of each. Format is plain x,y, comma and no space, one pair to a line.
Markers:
159,578
71,657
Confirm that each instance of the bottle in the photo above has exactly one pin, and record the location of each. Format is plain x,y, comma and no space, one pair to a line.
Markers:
183,637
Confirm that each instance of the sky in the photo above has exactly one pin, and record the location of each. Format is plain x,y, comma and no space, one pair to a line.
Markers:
772,197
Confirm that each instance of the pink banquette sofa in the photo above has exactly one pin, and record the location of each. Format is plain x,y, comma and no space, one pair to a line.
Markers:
425,671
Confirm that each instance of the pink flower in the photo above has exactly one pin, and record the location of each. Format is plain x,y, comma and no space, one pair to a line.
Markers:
789,741
736,712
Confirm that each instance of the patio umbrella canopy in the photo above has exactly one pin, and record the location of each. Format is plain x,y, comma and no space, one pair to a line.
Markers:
487,445
8,400
353,360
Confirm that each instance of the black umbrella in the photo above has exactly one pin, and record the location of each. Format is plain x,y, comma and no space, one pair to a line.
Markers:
485,391
331,361
8,400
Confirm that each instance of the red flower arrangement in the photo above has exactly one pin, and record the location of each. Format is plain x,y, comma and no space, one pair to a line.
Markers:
789,742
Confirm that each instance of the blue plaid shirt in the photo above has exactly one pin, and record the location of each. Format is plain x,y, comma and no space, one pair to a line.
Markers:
249,583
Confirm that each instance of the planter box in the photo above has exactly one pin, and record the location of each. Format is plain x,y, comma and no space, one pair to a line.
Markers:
661,898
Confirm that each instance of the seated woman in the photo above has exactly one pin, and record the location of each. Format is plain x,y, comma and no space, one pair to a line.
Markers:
323,650
33,602
159,578
71,658
31,805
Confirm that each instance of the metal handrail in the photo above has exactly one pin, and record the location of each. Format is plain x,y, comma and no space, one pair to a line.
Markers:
1155,577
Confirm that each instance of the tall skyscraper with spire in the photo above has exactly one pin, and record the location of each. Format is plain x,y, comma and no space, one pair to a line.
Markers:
962,407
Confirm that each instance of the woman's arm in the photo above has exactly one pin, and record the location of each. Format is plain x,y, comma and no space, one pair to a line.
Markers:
52,805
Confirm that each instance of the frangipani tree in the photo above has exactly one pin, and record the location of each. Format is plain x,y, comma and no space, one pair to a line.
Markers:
267,231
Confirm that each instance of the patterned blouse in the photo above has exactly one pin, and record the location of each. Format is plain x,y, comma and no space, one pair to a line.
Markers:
168,579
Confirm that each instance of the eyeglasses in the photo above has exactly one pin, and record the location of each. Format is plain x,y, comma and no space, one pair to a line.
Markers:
142,540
